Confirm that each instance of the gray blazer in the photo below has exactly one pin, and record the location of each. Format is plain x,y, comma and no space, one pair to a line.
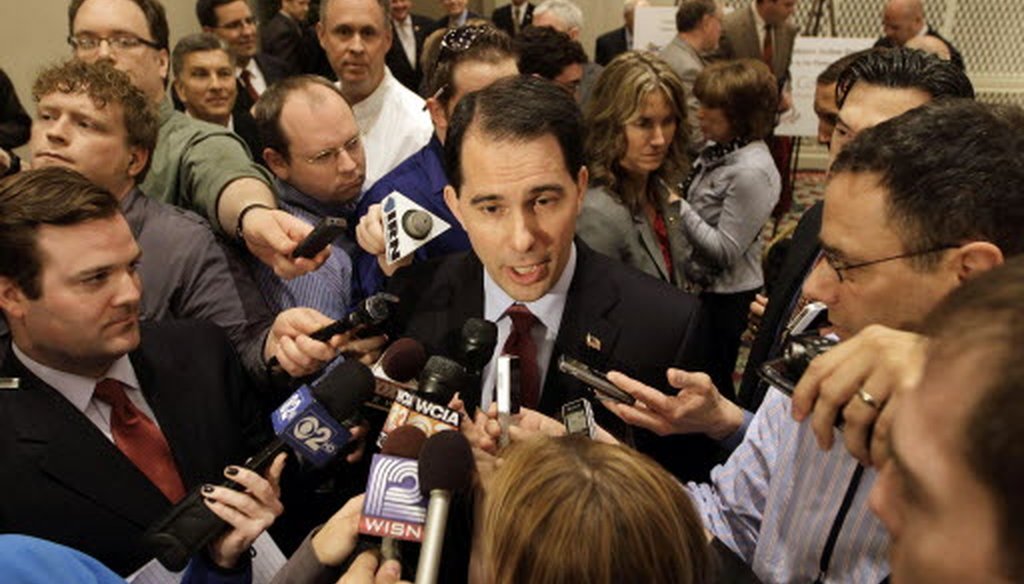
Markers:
607,226
728,203
687,63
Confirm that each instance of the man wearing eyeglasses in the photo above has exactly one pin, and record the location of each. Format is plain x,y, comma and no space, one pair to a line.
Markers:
314,149
233,22
194,165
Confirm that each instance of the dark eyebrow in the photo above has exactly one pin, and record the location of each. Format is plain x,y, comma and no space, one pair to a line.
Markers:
480,199
541,189
105,268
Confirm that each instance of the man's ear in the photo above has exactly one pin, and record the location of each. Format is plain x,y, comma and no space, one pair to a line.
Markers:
139,158
977,257
582,180
439,117
12,300
276,163
164,64
451,198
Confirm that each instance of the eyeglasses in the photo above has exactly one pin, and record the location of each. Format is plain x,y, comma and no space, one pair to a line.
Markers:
239,24
839,266
121,42
330,155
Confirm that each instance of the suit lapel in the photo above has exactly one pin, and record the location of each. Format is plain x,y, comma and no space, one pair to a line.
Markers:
650,243
75,454
585,332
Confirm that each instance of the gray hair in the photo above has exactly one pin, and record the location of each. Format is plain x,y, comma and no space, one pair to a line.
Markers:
196,43
565,10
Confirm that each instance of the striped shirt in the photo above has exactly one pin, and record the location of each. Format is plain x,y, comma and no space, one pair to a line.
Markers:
329,288
775,500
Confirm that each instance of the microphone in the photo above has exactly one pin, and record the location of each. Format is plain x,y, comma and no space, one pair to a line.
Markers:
407,226
427,407
307,423
479,337
371,312
394,508
446,466
397,369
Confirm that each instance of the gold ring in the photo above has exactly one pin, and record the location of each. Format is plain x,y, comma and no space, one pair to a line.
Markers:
868,398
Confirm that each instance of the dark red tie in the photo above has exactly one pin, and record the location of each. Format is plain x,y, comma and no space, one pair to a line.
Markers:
249,88
520,343
768,51
139,438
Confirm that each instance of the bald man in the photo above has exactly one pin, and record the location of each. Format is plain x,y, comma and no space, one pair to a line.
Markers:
903,20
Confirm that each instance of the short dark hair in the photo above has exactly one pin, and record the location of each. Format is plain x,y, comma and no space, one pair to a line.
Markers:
904,68
153,10
206,11
196,43
105,85
691,12
746,90
984,319
484,43
267,110
953,170
46,196
517,109
546,52
831,73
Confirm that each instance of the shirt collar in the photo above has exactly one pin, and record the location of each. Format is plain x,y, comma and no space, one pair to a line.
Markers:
548,308
294,197
75,388
367,110
757,18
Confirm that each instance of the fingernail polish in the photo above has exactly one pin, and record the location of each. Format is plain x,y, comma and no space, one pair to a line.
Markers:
231,471
207,489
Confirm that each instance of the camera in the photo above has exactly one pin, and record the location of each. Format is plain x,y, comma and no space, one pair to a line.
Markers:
786,371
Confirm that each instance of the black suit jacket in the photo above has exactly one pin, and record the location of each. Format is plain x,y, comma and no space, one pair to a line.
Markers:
610,45
443,21
284,38
803,249
409,74
273,68
502,18
644,326
64,481
245,127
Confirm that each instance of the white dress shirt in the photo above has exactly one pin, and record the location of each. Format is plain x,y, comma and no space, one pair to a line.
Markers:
259,82
394,126
79,390
548,309
407,36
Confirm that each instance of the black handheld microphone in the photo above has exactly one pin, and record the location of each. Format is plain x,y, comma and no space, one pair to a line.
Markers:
446,466
441,378
479,337
313,423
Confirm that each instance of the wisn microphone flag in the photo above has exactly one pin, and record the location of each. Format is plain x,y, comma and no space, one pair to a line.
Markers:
394,506
305,425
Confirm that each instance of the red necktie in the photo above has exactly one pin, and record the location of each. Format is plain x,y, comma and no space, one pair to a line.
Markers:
520,343
247,84
139,438
768,52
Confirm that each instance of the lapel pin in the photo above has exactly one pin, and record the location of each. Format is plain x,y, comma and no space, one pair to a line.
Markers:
10,383
593,342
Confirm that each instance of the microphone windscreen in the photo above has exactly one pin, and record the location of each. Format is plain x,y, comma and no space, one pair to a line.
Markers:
441,378
344,389
479,336
404,441
403,360
446,463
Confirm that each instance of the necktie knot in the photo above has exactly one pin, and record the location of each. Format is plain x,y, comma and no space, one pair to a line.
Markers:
522,318
111,392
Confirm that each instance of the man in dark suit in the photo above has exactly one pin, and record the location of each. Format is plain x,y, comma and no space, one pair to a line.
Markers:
408,31
206,89
762,31
612,43
286,35
517,180
455,14
110,422
233,22
513,17
902,20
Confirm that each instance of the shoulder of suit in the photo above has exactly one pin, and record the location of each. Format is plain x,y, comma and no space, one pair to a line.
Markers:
636,288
